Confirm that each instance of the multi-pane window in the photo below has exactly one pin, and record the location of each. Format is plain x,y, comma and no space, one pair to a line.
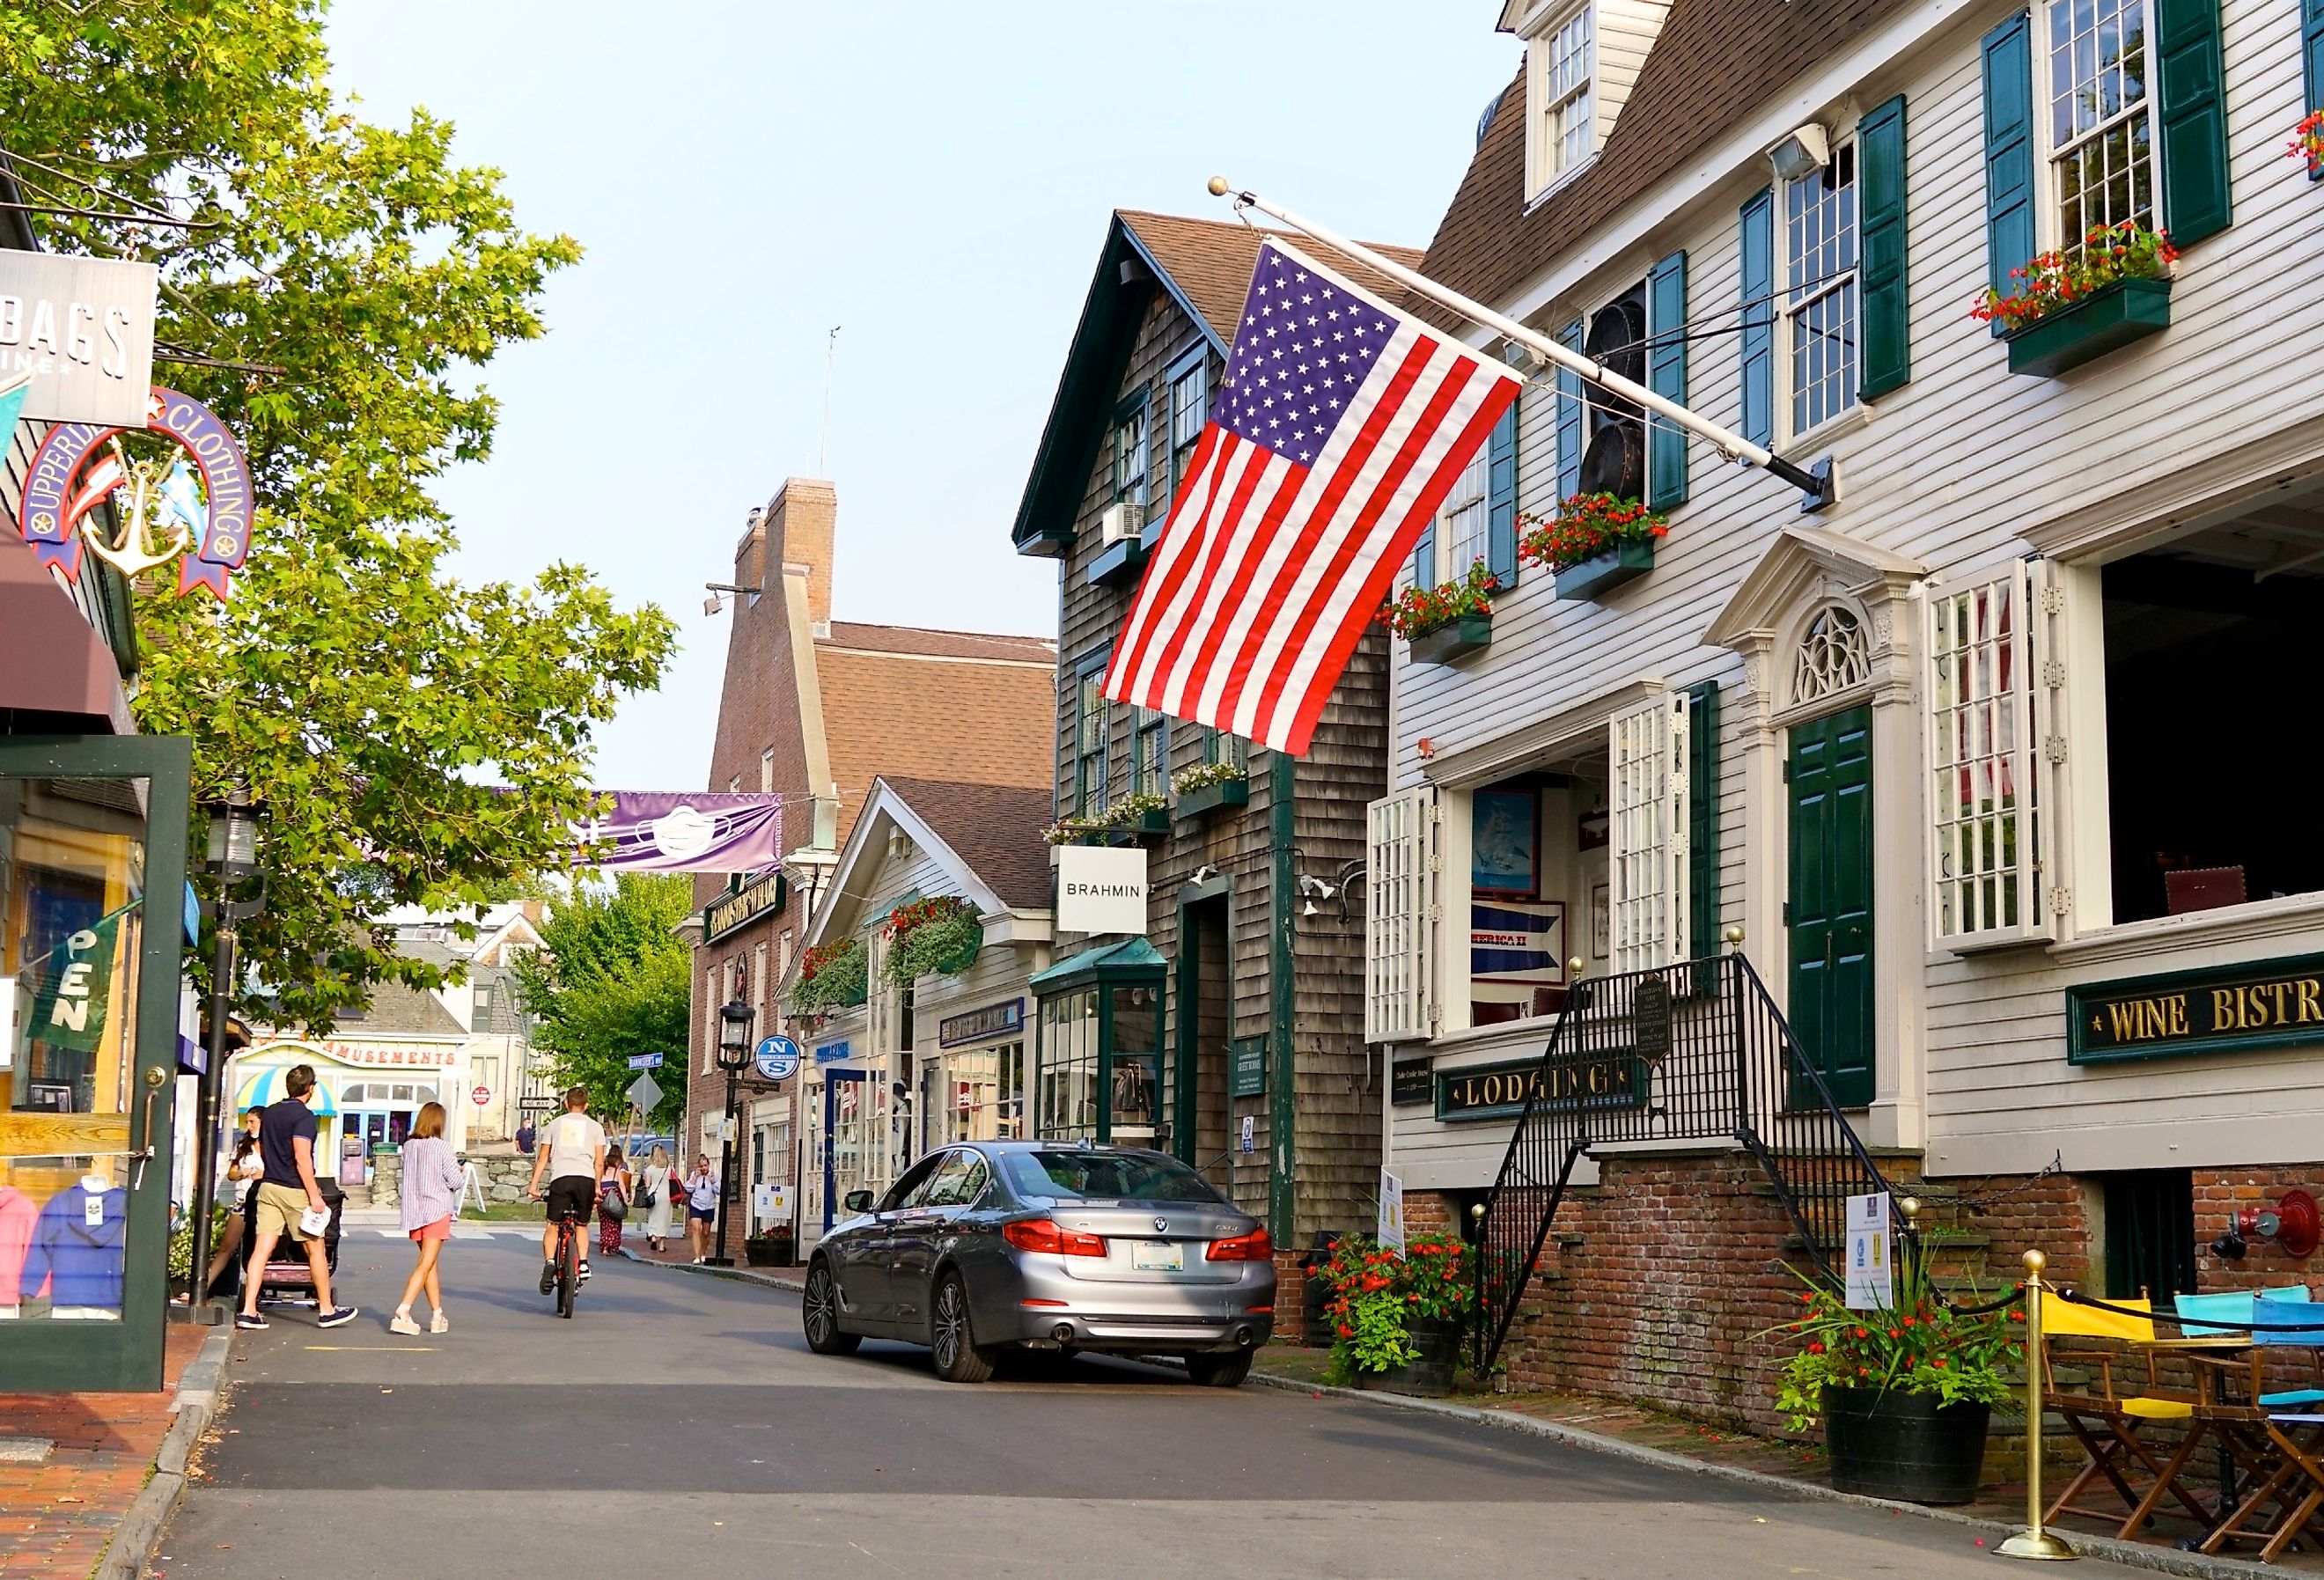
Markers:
1565,96
1189,404
2100,127
1218,746
1129,457
1149,752
1089,753
1820,289
1066,1107
1462,530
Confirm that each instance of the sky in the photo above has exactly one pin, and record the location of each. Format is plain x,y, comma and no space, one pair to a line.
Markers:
935,180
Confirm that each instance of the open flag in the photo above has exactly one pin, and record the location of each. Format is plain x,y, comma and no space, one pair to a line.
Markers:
1341,427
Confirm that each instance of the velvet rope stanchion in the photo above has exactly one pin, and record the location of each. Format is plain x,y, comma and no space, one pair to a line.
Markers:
2033,1542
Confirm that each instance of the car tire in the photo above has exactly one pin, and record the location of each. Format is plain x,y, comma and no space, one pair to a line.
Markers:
1219,1370
950,1338
820,1314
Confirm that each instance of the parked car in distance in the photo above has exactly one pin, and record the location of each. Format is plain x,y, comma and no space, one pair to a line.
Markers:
985,1247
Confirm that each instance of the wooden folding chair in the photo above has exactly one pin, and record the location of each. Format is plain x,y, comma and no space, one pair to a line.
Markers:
2108,1422
2288,1461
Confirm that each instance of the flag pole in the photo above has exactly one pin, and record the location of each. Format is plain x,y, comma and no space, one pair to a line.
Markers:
1733,446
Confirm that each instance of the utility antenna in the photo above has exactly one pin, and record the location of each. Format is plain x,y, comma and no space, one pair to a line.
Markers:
830,356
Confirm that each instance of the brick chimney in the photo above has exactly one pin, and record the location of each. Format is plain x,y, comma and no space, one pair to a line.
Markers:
799,527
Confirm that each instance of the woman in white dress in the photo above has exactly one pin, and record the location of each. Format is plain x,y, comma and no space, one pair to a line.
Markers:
655,1185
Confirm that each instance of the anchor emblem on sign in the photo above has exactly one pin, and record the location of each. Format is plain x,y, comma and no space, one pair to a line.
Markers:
149,497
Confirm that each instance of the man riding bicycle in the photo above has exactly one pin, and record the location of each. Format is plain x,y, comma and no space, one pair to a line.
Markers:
570,1149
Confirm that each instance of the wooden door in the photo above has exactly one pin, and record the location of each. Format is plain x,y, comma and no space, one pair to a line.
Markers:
1830,912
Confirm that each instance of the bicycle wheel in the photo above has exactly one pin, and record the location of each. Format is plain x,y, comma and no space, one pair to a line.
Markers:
569,1270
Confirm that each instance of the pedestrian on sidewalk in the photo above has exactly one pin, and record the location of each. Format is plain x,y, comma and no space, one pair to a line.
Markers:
701,1206
289,1201
655,1188
613,1200
431,1195
242,1178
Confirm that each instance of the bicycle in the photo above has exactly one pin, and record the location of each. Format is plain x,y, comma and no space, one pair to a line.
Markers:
569,1262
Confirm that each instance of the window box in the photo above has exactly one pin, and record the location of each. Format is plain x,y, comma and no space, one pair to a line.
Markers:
1118,563
1454,639
1209,797
2106,320
1156,821
1600,574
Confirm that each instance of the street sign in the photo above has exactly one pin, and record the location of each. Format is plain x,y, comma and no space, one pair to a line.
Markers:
777,1059
645,1061
645,1092
536,1104
481,1096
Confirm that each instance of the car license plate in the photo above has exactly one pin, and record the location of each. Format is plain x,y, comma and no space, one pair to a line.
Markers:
1158,1256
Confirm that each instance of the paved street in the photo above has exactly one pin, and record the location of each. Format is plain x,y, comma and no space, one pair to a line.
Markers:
678,1426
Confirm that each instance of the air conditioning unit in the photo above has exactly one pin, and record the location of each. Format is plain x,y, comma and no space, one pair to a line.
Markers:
1120,522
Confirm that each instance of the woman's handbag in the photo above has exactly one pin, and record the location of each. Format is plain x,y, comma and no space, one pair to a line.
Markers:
610,1202
648,1197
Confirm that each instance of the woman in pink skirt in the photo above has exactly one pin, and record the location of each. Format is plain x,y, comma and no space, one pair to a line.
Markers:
432,1194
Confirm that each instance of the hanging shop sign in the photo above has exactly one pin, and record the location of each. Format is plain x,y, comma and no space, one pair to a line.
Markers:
1412,1080
1616,1079
1247,1072
1102,889
2231,1009
83,328
776,1058
744,906
831,1052
692,831
197,514
976,1025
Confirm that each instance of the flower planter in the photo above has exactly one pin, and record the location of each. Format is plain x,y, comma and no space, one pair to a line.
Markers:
1117,563
2106,320
767,1252
1887,1444
1156,821
1600,574
1209,797
1455,639
1428,1376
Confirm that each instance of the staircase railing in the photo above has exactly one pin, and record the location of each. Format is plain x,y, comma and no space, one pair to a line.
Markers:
1696,1052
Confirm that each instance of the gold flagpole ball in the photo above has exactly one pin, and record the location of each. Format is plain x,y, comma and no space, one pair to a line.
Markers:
1220,185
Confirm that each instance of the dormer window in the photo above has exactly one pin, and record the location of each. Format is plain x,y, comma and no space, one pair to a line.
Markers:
1562,133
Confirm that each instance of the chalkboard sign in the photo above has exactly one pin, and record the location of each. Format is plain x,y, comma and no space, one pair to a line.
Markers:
1650,1018
1412,1080
1249,1068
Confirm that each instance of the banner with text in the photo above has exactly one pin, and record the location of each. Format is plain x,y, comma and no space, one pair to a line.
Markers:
695,831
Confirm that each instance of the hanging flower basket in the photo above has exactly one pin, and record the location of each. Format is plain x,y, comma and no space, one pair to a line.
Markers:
2308,143
941,934
2074,306
1208,786
1448,622
834,977
1595,543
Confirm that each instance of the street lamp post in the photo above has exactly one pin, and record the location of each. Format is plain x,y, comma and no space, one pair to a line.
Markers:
232,857
733,1057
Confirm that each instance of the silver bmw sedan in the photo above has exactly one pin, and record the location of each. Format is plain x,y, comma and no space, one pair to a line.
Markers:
985,1247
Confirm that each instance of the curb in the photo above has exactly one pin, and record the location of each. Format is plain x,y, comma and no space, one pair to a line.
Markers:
2129,1554
196,1402
738,1275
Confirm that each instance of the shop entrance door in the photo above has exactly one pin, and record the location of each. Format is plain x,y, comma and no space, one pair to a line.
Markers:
1198,1107
844,1122
1830,912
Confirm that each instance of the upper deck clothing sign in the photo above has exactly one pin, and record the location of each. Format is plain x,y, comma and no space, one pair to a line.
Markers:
83,327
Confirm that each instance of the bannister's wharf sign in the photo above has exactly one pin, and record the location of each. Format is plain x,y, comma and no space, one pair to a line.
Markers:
744,906
1611,1080
2229,1009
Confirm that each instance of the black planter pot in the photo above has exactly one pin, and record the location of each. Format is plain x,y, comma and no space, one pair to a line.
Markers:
774,1253
1430,1375
1905,1445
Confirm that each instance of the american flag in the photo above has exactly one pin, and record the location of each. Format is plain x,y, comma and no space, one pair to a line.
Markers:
1341,427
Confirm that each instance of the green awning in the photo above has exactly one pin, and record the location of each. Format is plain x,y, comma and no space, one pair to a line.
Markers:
1132,960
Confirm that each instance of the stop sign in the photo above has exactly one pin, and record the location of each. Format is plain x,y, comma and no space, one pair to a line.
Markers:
481,1095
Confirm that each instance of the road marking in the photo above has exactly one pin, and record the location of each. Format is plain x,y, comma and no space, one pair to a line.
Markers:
368,1349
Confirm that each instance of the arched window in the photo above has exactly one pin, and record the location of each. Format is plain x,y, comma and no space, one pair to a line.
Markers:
1833,655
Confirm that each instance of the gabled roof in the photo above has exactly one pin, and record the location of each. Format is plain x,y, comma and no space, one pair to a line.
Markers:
1715,64
1205,265
987,839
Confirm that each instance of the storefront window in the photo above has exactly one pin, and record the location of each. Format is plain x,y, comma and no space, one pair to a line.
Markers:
1100,1063
1134,1069
1069,1061
72,885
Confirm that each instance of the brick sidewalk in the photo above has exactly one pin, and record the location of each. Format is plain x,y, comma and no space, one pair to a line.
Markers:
55,1519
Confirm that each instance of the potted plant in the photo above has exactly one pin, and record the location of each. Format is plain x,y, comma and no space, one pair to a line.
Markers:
1397,1316
2077,305
940,935
2308,143
1595,543
1445,623
1208,786
832,976
1905,1392
771,1247
1140,812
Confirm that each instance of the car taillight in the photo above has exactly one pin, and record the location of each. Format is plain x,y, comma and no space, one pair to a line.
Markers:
1254,1246
1041,1234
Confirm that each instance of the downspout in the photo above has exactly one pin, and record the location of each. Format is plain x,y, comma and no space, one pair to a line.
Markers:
1282,1191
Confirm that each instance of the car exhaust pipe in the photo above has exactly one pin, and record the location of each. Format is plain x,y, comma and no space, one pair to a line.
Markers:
1063,1332
1243,1336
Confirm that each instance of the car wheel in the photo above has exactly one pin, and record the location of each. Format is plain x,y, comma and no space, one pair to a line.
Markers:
957,1355
1218,1370
819,1313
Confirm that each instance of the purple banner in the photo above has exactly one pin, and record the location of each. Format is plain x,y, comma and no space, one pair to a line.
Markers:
700,831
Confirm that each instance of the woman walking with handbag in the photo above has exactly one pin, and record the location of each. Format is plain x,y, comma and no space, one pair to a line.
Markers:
432,1194
613,1200
653,1194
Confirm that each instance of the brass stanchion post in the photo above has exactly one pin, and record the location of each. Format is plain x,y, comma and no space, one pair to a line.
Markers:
2033,1542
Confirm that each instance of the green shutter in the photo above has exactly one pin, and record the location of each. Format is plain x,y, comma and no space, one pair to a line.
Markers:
1424,557
1757,255
1501,499
1885,330
1702,819
2311,54
1666,376
2010,242
2192,102
1569,417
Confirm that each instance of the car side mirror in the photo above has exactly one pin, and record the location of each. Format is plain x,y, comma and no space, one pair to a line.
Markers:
857,1201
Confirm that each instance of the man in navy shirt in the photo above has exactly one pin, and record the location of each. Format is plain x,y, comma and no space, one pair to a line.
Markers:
287,1192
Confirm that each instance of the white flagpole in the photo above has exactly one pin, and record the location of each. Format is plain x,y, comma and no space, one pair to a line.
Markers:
1733,446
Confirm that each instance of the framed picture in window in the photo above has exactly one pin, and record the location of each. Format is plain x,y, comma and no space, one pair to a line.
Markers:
1602,921
1594,830
1504,843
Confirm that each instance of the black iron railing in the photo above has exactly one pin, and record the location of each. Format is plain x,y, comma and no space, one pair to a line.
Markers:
1697,1052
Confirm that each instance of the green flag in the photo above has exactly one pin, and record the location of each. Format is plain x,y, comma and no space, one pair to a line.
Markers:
71,1007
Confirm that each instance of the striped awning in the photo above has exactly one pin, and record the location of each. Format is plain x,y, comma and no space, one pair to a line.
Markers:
266,1086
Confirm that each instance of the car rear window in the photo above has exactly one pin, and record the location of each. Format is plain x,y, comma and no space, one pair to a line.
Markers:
1105,1176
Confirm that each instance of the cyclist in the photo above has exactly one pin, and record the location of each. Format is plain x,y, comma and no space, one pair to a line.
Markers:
571,1151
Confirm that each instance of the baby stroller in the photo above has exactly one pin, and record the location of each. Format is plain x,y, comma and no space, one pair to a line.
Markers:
287,1277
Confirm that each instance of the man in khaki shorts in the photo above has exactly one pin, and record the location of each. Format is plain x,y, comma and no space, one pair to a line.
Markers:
286,1192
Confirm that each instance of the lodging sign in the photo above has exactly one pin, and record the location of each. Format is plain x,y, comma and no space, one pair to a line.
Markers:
2229,1009
1495,1091
83,327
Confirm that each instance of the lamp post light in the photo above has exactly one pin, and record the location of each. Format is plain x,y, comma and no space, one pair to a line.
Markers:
733,1057
232,857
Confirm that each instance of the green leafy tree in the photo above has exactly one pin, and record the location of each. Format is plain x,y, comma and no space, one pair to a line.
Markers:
343,285
612,979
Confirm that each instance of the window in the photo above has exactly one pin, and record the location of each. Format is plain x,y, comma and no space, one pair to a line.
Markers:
1563,134
767,770
2150,1233
482,999
1820,289
1832,656
764,978
2101,133
1129,454
1218,746
1090,742
1189,409
1647,833
1084,1176
1150,754
1399,930
1067,1109
1462,533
